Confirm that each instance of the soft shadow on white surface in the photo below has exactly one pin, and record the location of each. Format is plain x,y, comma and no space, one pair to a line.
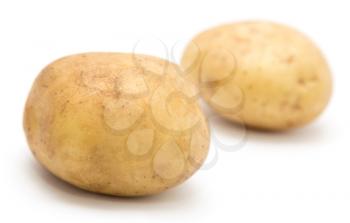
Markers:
311,134
183,195
232,137
307,134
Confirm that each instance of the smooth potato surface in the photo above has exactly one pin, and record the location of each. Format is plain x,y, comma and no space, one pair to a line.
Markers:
262,74
117,124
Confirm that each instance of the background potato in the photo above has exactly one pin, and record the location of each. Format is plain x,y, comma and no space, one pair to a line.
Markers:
264,74
118,124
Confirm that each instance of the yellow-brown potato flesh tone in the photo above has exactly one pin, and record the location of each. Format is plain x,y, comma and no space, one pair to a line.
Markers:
117,124
265,75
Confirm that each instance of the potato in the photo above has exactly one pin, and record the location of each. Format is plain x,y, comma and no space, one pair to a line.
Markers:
117,124
262,74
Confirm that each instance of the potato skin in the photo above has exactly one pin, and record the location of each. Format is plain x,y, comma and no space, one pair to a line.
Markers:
113,123
263,74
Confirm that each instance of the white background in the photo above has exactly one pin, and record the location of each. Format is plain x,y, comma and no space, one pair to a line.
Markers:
298,176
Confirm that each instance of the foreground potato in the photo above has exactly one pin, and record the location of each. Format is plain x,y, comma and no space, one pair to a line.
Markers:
117,124
263,74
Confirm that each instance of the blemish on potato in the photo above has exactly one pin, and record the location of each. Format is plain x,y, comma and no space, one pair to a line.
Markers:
290,59
301,81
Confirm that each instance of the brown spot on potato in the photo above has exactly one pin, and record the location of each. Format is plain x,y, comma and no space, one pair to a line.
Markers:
64,105
296,106
290,59
301,81
290,123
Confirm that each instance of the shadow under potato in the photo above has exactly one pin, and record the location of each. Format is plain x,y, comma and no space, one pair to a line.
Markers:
64,192
238,135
